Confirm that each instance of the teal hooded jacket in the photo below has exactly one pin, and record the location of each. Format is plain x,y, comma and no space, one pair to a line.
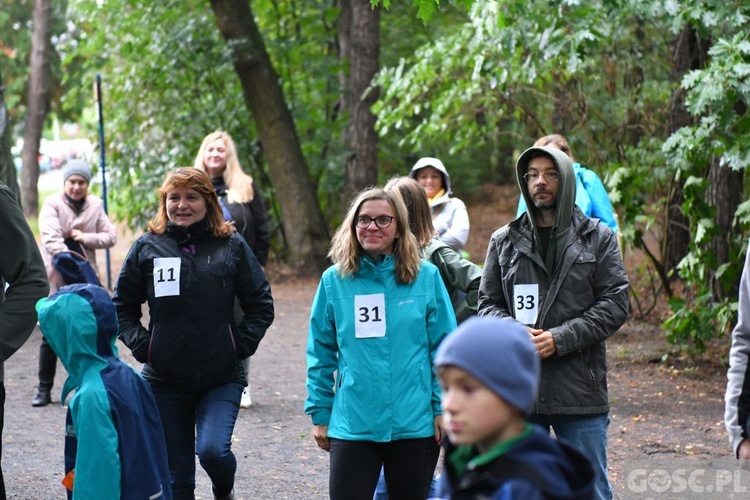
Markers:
114,442
385,387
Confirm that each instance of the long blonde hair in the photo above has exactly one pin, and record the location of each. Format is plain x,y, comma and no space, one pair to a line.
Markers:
345,248
191,178
239,184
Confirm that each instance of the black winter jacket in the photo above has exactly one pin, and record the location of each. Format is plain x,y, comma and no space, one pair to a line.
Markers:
193,342
251,221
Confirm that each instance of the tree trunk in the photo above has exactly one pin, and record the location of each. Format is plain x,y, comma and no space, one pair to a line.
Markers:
690,53
37,106
302,218
344,52
344,48
7,167
724,192
364,61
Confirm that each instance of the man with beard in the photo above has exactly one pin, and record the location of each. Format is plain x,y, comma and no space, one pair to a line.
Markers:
561,275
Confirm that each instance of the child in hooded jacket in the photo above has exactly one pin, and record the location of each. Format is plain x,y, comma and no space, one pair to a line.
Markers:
489,372
114,442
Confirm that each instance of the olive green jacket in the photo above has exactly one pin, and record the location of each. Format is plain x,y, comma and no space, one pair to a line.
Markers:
22,270
460,277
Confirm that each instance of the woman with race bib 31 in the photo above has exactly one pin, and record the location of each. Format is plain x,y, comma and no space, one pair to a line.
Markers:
376,322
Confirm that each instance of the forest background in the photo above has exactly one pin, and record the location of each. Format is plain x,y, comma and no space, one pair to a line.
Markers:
325,97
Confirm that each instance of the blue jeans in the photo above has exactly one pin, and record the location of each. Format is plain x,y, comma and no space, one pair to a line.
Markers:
588,433
203,425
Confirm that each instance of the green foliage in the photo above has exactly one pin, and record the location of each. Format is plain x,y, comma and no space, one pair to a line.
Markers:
426,9
697,321
718,96
601,73
516,70
15,17
15,43
156,94
168,80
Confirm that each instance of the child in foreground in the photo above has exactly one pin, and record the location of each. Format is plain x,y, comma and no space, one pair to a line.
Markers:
489,373
114,443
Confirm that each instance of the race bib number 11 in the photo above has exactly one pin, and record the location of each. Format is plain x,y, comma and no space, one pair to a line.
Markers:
369,316
526,303
167,276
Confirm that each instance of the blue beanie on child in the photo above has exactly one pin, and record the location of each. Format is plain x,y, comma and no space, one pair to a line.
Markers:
499,353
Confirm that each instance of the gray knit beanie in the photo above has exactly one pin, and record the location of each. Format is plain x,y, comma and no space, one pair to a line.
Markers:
77,167
499,353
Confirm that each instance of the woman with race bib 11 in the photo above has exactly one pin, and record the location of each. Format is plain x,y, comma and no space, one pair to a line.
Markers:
189,267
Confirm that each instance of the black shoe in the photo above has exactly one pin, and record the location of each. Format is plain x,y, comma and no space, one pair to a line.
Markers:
228,497
42,398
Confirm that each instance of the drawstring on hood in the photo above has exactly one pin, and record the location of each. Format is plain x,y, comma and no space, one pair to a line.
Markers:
566,196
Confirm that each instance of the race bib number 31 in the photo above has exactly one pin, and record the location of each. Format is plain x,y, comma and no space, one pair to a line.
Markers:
369,316
526,303
167,276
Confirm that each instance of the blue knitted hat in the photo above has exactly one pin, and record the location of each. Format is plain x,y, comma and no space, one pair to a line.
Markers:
497,352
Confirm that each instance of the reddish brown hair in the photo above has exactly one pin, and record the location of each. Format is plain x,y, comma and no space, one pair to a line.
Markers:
191,178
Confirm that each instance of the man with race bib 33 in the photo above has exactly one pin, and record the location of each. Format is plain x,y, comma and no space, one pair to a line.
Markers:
560,274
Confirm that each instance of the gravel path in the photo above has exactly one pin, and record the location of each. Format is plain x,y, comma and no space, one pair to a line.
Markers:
277,458
664,409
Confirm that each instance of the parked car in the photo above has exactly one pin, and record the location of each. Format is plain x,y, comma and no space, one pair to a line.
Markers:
45,164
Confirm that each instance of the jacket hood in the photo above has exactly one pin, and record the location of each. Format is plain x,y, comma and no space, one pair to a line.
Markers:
80,324
436,164
567,472
566,198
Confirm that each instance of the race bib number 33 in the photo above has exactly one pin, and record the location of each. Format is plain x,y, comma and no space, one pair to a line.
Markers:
369,316
526,303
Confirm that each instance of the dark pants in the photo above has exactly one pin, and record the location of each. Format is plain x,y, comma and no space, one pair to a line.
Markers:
2,424
47,365
408,464
203,425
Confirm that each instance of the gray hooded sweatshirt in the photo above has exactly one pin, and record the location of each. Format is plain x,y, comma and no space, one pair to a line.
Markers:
566,197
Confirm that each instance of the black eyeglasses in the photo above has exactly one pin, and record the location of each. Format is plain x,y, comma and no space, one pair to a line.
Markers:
381,221
551,176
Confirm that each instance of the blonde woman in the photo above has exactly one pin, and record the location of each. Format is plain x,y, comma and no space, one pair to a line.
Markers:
241,203
239,197
376,321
